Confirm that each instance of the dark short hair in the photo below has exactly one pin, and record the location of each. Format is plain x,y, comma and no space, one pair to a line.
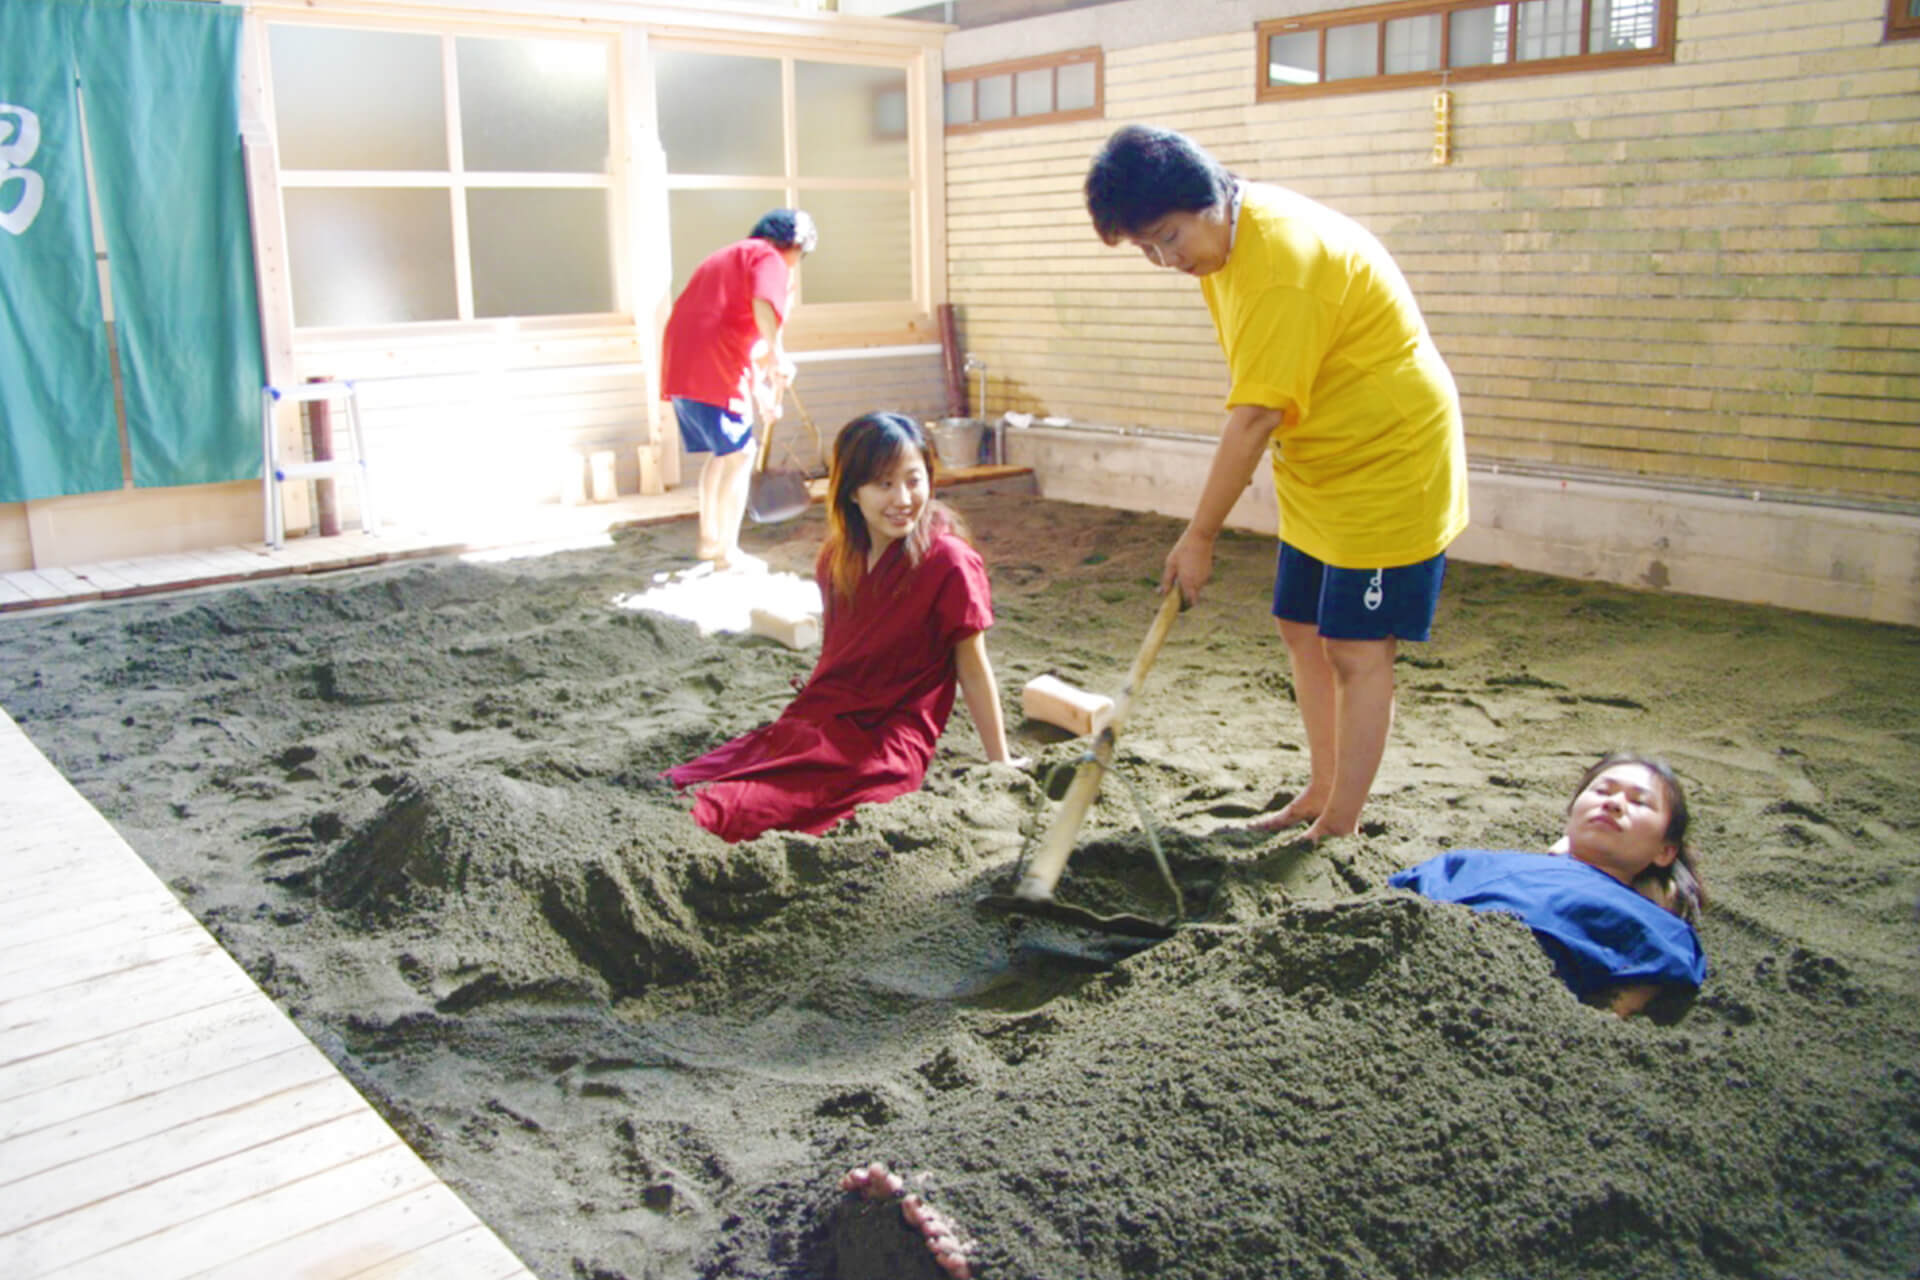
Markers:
787,229
1143,174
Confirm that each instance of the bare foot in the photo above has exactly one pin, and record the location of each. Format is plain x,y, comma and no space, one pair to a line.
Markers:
1304,807
738,561
1322,829
948,1251
708,551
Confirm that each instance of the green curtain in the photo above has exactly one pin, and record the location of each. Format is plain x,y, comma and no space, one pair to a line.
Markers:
161,81
57,430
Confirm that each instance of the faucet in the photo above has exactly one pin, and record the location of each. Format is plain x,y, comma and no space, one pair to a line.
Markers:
976,365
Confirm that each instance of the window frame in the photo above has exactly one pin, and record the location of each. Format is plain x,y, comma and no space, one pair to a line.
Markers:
1052,62
456,180
790,187
1901,25
1380,14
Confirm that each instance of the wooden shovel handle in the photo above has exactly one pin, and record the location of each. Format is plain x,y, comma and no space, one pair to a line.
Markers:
806,420
766,446
1043,870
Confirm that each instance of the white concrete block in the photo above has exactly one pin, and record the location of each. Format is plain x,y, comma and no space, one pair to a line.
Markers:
572,470
605,487
796,630
652,474
1053,701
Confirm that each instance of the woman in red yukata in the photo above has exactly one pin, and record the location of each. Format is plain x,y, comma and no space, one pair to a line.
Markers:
907,609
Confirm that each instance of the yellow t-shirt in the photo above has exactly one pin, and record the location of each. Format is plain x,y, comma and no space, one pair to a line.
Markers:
1317,321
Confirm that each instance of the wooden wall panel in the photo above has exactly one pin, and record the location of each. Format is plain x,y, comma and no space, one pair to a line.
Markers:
1702,271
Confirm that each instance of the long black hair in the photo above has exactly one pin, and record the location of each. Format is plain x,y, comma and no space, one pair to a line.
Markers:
864,449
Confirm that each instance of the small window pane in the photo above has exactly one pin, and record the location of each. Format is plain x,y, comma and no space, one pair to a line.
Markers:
540,253
1413,44
1293,57
706,220
357,99
533,106
719,113
994,97
1075,85
960,101
1477,37
1353,51
1633,24
370,256
1549,29
852,121
865,252
1033,92
890,113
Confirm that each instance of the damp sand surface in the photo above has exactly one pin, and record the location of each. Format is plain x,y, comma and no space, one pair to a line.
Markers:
421,805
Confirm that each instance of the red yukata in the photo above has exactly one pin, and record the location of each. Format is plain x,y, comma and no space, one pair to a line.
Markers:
864,728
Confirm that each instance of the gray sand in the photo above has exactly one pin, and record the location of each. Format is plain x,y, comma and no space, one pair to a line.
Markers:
420,804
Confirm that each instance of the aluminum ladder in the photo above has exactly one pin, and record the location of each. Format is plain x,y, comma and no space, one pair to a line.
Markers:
277,471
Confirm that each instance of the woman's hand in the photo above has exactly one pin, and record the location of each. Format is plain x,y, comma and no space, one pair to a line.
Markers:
1630,1000
1189,566
1244,441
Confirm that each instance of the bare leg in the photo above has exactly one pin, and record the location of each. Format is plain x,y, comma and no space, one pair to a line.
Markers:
707,544
1313,690
1363,715
730,507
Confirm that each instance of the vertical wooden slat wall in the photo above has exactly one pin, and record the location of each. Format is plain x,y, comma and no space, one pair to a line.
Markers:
1704,271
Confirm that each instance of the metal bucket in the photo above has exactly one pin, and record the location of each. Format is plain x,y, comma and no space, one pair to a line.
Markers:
956,441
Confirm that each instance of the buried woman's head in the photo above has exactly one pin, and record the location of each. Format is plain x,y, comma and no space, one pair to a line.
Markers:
1629,819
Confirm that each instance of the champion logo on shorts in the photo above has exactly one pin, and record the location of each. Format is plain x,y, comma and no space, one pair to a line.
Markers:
1376,592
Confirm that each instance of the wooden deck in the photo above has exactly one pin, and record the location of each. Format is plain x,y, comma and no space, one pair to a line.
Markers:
159,1116
530,528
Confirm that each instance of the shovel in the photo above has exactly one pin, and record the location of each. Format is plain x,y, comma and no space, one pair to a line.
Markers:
1033,896
779,493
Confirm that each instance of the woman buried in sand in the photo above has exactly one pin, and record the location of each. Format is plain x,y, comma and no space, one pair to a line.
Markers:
1614,904
906,613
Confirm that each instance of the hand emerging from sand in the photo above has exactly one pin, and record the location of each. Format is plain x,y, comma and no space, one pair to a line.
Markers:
876,1182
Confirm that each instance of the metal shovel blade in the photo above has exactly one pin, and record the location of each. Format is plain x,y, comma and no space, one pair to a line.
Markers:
1130,926
773,496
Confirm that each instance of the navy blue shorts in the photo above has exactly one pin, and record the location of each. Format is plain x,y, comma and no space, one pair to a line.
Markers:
707,428
1358,604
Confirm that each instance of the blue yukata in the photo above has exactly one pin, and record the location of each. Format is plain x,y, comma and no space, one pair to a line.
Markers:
1599,932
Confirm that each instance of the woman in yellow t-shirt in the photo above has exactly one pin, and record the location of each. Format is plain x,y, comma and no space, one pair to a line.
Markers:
1336,377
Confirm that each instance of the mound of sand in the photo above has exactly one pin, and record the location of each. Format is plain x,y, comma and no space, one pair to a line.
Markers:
421,804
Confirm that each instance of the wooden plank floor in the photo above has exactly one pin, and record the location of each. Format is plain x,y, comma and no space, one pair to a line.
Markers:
159,1116
530,528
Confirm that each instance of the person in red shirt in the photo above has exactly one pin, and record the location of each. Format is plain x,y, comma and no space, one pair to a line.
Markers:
722,360
907,607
